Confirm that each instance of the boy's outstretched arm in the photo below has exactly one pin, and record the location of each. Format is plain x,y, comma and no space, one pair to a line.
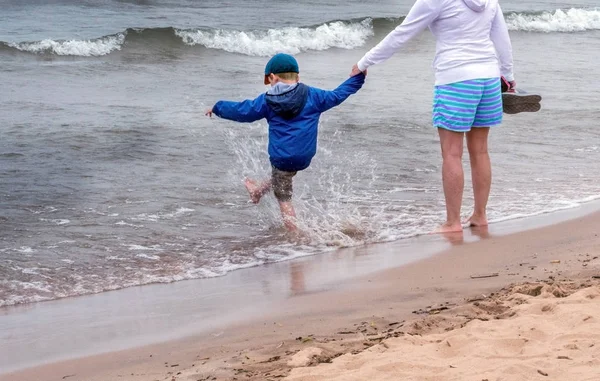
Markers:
246,111
329,99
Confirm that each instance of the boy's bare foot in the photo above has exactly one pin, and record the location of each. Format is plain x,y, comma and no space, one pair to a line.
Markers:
476,221
448,228
290,226
253,191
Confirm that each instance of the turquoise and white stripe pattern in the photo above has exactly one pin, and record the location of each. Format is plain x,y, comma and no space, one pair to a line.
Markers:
462,105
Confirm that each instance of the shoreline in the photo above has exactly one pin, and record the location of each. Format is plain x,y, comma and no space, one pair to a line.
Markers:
502,226
291,294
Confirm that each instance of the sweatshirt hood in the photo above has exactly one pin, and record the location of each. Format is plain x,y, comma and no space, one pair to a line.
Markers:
476,5
286,100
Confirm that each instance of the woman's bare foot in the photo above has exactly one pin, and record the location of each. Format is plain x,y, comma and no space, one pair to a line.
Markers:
476,220
455,238
448,228
482,232
253,190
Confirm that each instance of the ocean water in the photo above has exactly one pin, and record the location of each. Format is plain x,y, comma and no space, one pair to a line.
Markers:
111,176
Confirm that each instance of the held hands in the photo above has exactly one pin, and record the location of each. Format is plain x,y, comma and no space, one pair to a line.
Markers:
356,71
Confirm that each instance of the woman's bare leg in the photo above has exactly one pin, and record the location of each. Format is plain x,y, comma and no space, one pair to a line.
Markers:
453,178
481,172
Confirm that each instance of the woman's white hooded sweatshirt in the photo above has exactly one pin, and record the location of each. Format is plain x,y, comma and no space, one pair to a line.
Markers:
472,39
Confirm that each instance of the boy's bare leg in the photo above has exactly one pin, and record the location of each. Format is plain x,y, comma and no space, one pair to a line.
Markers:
257,190
289,215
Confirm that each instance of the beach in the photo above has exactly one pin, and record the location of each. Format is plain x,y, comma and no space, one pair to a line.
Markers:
129,248
541,278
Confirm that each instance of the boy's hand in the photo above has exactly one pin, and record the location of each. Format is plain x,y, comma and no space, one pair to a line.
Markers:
356,71
209,113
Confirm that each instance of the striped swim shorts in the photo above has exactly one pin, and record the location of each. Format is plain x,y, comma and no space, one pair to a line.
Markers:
462,105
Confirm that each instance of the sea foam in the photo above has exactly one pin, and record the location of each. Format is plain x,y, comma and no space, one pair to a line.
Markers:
572,20
339,34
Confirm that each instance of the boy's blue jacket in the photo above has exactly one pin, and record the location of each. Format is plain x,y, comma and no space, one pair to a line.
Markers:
293,118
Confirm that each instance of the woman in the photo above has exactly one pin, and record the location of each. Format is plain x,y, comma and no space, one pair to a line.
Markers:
471,38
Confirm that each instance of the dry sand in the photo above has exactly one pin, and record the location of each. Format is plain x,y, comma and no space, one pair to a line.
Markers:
435,319
529,332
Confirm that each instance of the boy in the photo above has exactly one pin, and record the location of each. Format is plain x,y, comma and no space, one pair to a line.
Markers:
292,110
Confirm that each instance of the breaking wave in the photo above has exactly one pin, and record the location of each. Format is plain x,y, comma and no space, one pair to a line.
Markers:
572,20
347,34
339,34
84,48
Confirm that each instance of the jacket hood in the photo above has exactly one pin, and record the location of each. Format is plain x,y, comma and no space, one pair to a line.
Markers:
287,101
476,5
